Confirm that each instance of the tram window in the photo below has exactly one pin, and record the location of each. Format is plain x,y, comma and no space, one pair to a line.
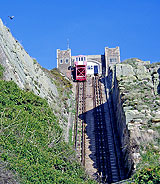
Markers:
61,61
67,61
81,58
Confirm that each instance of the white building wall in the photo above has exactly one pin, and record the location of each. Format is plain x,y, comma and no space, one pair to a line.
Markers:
90,67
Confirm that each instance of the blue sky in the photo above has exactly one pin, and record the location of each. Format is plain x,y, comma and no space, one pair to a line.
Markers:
42,26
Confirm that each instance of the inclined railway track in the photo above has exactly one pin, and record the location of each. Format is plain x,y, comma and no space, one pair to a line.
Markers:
108,157
108,165
102,152
80,121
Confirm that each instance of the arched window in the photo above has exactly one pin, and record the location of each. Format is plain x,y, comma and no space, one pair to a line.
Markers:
61,61
67,61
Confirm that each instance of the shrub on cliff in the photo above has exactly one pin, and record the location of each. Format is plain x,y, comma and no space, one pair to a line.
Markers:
1,71
148,169
61,82
30,140
148,175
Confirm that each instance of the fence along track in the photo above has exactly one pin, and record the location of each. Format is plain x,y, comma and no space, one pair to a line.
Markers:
80,122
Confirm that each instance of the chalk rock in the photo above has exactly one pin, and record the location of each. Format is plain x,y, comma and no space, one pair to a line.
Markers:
140,70
150,131
131,114
124,70
157,115
22,69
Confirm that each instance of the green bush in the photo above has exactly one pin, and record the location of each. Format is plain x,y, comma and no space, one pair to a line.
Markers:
148,175
31,140
148,169
1,71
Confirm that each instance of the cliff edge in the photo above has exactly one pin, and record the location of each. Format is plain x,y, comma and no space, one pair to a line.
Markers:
22,69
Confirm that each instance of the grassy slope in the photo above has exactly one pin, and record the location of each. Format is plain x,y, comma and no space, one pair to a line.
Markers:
30,140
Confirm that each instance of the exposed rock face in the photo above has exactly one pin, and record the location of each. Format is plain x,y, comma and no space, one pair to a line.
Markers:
22,69
7,176
29,75
135,89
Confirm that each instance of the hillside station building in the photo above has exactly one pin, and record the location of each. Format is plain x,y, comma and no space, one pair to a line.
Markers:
65,60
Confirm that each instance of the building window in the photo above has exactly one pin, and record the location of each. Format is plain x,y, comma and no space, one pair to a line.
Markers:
88,67
67,61
91,67
84,58
113,60
81,58
77,59
61,61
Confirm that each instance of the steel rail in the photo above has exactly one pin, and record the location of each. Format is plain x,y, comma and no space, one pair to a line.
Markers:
80,121
105,145
100,132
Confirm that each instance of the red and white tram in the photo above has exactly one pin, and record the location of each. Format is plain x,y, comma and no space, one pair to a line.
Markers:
80,67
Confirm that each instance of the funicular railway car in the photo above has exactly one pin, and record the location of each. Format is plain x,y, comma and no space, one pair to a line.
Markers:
80,68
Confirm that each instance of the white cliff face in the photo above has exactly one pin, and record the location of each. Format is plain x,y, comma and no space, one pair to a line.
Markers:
135,89
22,69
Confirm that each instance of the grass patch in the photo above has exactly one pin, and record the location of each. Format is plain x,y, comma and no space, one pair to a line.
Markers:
1,72
148,169
31,140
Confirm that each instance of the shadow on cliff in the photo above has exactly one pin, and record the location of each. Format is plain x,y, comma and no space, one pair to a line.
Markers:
117,99
118,119
158,87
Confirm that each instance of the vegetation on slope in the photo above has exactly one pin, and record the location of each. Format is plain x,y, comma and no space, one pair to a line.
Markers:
64,106
148,169
61,82
1,72
148,175
31,140
64,87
